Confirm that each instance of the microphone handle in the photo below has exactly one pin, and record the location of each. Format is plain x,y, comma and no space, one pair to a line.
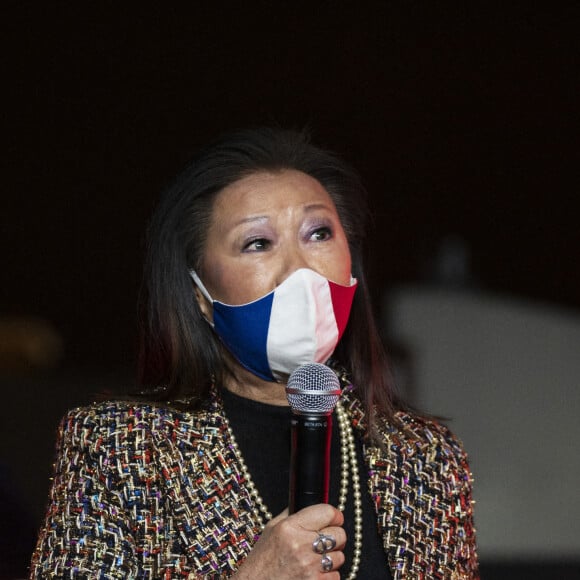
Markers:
309,460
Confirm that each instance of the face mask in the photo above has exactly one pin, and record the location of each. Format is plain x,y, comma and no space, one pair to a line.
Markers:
299,322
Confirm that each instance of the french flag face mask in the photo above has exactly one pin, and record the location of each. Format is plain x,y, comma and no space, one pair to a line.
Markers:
299,322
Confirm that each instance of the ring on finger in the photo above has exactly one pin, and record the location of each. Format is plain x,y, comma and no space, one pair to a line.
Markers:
323,544
326,563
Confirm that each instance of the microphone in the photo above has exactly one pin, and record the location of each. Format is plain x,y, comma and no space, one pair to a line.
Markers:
312,391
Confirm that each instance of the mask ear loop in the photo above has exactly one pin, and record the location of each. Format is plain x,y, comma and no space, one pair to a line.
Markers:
200,285
203,290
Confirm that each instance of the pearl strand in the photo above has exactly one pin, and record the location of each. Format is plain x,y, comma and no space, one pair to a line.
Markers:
348,463
258,503
348,448
344,460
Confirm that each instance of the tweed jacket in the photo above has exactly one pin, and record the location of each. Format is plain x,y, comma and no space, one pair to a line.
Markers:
145,491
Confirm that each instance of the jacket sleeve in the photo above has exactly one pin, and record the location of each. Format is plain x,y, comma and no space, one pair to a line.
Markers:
87,531
423,490
457,519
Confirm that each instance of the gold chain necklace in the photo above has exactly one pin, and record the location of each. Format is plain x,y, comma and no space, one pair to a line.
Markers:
348,464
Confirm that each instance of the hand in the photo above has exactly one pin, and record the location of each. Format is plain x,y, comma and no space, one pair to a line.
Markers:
285,548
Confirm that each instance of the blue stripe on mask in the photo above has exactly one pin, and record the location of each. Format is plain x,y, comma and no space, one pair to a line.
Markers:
244,330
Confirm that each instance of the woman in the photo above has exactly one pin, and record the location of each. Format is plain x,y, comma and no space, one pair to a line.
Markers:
254,249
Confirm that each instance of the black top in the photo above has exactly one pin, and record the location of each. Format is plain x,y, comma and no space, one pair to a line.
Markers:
263,434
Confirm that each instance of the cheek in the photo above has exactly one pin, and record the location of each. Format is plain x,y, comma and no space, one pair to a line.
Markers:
251,284
344,264
233,284
214,278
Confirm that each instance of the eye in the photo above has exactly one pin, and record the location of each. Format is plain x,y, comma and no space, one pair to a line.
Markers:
321,234
257,245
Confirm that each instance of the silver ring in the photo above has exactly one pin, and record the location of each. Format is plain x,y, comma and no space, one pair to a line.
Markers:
326,563
324,544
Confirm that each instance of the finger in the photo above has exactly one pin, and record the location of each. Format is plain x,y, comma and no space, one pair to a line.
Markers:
337,533
331,562
318,516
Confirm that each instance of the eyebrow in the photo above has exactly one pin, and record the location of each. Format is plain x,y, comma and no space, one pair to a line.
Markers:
261,218
254,218
314,206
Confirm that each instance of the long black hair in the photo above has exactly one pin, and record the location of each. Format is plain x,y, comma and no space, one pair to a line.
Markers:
180,355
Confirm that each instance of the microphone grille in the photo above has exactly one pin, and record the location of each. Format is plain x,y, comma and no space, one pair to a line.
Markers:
313,388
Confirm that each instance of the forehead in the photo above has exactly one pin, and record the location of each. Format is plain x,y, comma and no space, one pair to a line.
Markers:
270,192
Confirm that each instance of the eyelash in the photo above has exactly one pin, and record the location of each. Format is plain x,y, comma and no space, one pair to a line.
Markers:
248,245
323,229
265,242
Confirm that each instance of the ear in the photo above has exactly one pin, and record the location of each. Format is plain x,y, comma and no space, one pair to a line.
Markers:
204,304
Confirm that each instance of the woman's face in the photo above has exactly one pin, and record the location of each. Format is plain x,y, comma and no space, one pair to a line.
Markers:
266,226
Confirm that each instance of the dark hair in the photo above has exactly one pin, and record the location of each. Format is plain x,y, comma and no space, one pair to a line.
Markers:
178,348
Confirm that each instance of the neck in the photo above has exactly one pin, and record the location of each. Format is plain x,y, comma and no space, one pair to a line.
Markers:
249,386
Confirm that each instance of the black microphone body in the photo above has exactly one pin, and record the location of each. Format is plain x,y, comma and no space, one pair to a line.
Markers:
309,460
313,390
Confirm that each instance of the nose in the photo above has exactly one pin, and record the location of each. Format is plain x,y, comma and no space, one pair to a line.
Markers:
293,258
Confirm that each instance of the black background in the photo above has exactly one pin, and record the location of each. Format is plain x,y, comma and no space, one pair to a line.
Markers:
461,117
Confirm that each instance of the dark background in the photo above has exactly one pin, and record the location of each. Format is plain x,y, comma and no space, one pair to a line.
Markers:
461,117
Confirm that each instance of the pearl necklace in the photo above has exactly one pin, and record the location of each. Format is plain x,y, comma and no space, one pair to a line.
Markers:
348,463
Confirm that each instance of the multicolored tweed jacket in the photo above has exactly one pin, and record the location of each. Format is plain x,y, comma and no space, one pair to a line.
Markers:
142,491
